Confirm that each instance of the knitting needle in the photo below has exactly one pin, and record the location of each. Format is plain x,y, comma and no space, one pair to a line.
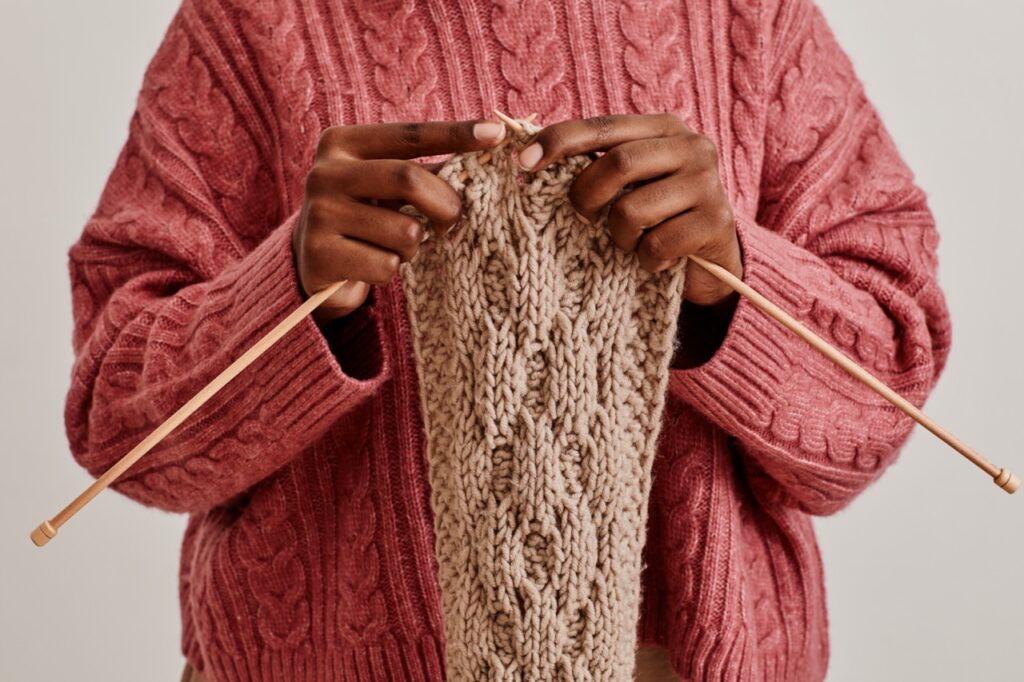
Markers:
47,530
486,156
1001,477
513,123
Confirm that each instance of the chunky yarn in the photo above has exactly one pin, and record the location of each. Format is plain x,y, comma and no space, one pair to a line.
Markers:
543,353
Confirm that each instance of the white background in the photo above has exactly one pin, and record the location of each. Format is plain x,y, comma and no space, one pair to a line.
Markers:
924,570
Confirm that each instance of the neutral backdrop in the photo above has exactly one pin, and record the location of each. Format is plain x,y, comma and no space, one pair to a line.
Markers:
924,570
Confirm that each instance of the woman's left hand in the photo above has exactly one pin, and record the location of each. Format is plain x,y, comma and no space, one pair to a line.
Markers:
674,205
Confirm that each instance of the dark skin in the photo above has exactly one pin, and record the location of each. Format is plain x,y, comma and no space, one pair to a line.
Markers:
674,204
350,227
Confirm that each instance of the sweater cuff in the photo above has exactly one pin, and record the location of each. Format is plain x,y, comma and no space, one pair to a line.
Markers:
736,387
355,339
299,383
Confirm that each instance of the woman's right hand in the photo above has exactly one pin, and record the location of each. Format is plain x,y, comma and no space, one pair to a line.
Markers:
350,227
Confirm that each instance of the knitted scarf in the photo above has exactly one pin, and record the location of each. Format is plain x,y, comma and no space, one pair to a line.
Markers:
542,355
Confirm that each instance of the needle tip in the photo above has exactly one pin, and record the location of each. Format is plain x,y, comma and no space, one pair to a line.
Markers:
509,121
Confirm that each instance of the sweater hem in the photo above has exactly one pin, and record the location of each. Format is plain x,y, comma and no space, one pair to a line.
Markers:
393,659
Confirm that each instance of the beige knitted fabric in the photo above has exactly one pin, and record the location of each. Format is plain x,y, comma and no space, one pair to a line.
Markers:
542,353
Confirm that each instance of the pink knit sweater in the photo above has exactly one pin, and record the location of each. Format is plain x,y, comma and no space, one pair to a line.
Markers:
308,554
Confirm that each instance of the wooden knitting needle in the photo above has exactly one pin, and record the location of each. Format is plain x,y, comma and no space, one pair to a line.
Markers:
47,530
489,154
1001,477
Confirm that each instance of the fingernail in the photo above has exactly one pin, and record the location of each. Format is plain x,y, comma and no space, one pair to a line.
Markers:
529,157
489,131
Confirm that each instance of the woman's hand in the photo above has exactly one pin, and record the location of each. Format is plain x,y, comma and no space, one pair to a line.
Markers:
674,205
350,227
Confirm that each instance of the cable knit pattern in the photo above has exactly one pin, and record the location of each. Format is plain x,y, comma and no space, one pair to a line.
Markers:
551,348
404,72
308,554
525,29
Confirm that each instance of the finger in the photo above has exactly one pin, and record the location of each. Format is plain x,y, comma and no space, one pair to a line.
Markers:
680,236
409,140
388,229
697,232
388,179
332,258
601,133
649,205
346,299
630,162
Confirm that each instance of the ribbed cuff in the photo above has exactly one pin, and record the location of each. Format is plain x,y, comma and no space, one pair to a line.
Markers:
300,383
355,339
275,408
737,385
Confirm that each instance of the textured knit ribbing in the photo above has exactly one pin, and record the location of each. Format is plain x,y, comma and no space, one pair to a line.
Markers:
543,353
309,554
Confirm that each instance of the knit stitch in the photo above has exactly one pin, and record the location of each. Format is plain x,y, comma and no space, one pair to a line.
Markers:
543,354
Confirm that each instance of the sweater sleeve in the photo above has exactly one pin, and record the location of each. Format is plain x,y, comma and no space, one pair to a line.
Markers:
184,264
845,242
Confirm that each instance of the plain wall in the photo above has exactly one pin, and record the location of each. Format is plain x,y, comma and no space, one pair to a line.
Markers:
923,571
